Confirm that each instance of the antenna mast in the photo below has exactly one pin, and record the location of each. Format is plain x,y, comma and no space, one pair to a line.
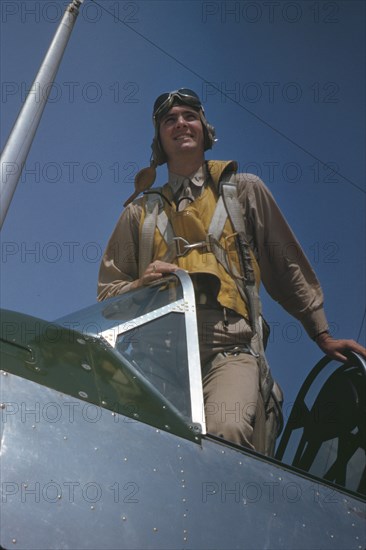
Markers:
21,137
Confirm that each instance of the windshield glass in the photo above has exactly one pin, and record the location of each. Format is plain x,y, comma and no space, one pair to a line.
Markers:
123,309
153,331
158,349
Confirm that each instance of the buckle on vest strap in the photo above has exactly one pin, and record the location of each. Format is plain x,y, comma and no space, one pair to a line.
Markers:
183,246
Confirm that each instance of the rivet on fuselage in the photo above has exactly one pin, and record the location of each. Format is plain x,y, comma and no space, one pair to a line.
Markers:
85,366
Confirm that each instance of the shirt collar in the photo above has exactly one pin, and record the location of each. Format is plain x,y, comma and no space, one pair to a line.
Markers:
198,178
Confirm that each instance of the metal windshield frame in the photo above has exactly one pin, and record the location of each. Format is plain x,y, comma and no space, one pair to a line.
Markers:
187,307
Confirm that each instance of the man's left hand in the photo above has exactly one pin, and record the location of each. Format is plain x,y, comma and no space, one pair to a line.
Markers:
336,348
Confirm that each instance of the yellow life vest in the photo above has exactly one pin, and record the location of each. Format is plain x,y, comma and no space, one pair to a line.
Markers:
192,224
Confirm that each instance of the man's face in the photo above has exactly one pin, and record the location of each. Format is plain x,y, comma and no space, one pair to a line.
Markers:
181,132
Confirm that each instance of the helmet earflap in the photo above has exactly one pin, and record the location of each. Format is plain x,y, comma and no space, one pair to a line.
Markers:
158,155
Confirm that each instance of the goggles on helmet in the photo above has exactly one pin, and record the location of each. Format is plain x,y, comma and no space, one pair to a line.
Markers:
165,101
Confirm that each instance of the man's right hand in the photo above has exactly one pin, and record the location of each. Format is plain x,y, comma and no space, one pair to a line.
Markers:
154,271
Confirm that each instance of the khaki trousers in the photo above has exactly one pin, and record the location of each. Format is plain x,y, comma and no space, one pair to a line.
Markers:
234,406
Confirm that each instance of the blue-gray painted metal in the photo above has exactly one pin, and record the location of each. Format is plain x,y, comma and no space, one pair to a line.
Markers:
20,140
76,473
78,476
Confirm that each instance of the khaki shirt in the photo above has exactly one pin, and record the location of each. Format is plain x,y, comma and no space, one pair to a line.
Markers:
285,271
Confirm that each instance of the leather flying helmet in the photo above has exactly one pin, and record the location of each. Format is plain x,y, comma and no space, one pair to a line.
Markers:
184,96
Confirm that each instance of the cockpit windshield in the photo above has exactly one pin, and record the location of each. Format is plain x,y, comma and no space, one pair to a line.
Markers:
153,331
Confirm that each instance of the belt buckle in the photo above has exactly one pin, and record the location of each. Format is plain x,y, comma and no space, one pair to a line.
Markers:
244,348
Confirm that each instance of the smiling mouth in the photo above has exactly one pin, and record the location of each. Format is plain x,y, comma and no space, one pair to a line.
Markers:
182,137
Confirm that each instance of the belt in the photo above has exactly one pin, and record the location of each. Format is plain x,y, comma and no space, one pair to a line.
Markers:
243,348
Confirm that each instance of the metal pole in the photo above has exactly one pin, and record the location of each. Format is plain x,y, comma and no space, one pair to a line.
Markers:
20,139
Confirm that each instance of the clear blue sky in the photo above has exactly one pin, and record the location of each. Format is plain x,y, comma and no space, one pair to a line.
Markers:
282,82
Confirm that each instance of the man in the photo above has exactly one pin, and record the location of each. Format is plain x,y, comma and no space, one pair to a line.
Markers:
236,404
